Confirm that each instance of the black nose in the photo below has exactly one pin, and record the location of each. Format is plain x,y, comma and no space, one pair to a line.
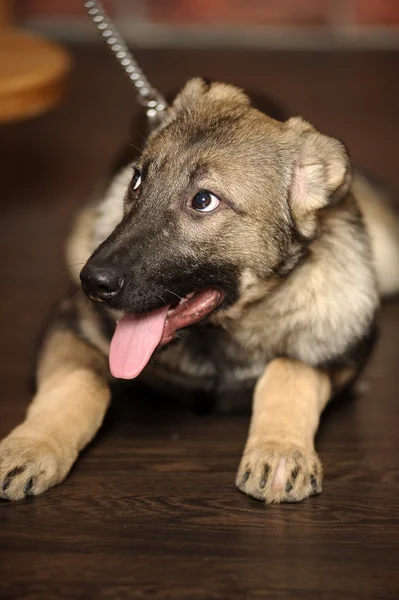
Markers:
101,283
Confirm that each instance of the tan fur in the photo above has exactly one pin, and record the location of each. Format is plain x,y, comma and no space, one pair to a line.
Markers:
288,401
80,243
383,225
321,168
65,414
89,323
314,305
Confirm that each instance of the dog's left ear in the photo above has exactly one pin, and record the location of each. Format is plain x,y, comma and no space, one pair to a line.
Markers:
197,90
321,173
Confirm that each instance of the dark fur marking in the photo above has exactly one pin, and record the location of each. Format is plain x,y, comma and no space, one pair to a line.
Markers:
360,350
144,169
296,235
298,246
64,316
105,322
68,318
356,356
290,263
208,134
337,195
197,172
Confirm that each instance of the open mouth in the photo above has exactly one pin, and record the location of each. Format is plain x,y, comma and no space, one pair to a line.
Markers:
191,309
138,335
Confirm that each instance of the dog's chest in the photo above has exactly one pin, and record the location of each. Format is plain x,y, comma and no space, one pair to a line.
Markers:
205,361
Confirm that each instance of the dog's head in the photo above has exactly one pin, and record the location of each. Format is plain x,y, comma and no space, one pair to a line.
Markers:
223,198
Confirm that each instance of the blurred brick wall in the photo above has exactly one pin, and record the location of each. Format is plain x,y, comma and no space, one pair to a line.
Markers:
232,12
55,8
273,12
382,12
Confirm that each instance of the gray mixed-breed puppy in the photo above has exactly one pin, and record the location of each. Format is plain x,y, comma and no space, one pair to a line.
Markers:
237,252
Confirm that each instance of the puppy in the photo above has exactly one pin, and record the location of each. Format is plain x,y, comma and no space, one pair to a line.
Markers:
236,253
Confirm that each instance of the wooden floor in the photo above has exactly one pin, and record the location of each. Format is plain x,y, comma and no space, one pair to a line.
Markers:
150,510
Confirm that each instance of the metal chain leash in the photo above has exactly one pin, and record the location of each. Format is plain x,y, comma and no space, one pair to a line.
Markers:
148,96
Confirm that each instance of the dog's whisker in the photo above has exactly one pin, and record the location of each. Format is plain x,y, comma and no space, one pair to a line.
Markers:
163,299
75,293
140,134
177,296
174,293
133,146
77,264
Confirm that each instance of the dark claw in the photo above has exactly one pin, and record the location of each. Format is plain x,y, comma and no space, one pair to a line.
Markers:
295,473
6,483
9,477
313,483
266,472
16,471
246,476
288,487
28,487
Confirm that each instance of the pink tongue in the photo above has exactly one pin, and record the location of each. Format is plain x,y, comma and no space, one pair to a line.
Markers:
134,341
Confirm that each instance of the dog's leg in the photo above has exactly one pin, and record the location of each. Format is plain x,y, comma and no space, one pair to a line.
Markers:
65,414
279,462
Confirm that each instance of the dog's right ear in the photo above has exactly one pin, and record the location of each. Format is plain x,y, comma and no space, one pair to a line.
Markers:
321,173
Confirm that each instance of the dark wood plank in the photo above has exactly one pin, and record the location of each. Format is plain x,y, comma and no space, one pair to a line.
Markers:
150,510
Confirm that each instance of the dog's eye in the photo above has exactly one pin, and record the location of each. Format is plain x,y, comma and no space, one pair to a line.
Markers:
136,181
204,201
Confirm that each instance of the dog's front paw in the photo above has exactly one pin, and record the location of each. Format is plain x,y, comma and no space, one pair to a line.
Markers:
274,472
28,466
